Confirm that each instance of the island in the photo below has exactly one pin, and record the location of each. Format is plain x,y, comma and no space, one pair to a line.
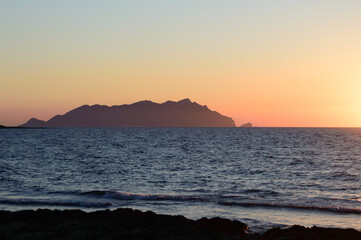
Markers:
246,125
183,113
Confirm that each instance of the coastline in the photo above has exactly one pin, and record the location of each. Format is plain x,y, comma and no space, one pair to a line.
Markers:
126,223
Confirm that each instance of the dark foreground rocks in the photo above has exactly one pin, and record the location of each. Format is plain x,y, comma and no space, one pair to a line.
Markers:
117,224
314,233
134,224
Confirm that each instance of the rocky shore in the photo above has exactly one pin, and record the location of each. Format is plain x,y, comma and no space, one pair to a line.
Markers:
133,224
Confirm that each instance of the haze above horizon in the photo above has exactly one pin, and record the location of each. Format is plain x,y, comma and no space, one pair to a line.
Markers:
272,63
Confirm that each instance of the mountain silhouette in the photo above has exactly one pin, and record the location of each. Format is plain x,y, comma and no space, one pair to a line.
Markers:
184,113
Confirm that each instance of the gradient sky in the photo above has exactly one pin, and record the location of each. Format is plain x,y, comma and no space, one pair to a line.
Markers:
274,63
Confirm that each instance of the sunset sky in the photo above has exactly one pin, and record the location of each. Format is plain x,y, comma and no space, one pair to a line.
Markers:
273,63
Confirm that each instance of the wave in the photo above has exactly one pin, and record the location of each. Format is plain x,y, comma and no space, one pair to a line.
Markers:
261,191
25,202
140,196
126,196
300,207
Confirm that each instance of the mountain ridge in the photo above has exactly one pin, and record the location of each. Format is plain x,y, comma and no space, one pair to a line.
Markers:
183,113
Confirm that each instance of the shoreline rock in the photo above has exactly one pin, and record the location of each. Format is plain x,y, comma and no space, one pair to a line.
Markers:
126,223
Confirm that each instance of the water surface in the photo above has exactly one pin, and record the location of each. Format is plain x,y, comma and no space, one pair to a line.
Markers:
261,176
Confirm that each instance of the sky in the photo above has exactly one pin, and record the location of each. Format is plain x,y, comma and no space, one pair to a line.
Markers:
274,63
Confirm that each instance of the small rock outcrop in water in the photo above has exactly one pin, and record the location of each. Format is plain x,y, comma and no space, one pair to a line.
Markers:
247,125
183,113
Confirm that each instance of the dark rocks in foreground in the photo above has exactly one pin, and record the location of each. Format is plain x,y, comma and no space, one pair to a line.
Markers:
183,113
134,224
315,233
117,224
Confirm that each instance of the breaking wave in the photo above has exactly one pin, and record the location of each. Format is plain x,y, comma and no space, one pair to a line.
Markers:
125,196
145,197
26,202
317,208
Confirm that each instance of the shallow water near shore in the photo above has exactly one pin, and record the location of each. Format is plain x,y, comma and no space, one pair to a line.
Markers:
263,177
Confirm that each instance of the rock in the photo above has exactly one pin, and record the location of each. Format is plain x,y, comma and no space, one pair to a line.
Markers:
246,125
117,224
126,223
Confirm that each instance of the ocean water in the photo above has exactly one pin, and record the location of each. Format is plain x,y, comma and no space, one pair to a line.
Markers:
264,177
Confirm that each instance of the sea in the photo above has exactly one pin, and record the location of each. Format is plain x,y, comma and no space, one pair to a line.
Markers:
264,177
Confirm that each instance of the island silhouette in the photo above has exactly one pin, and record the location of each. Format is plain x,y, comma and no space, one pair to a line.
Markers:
246,125
183,113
